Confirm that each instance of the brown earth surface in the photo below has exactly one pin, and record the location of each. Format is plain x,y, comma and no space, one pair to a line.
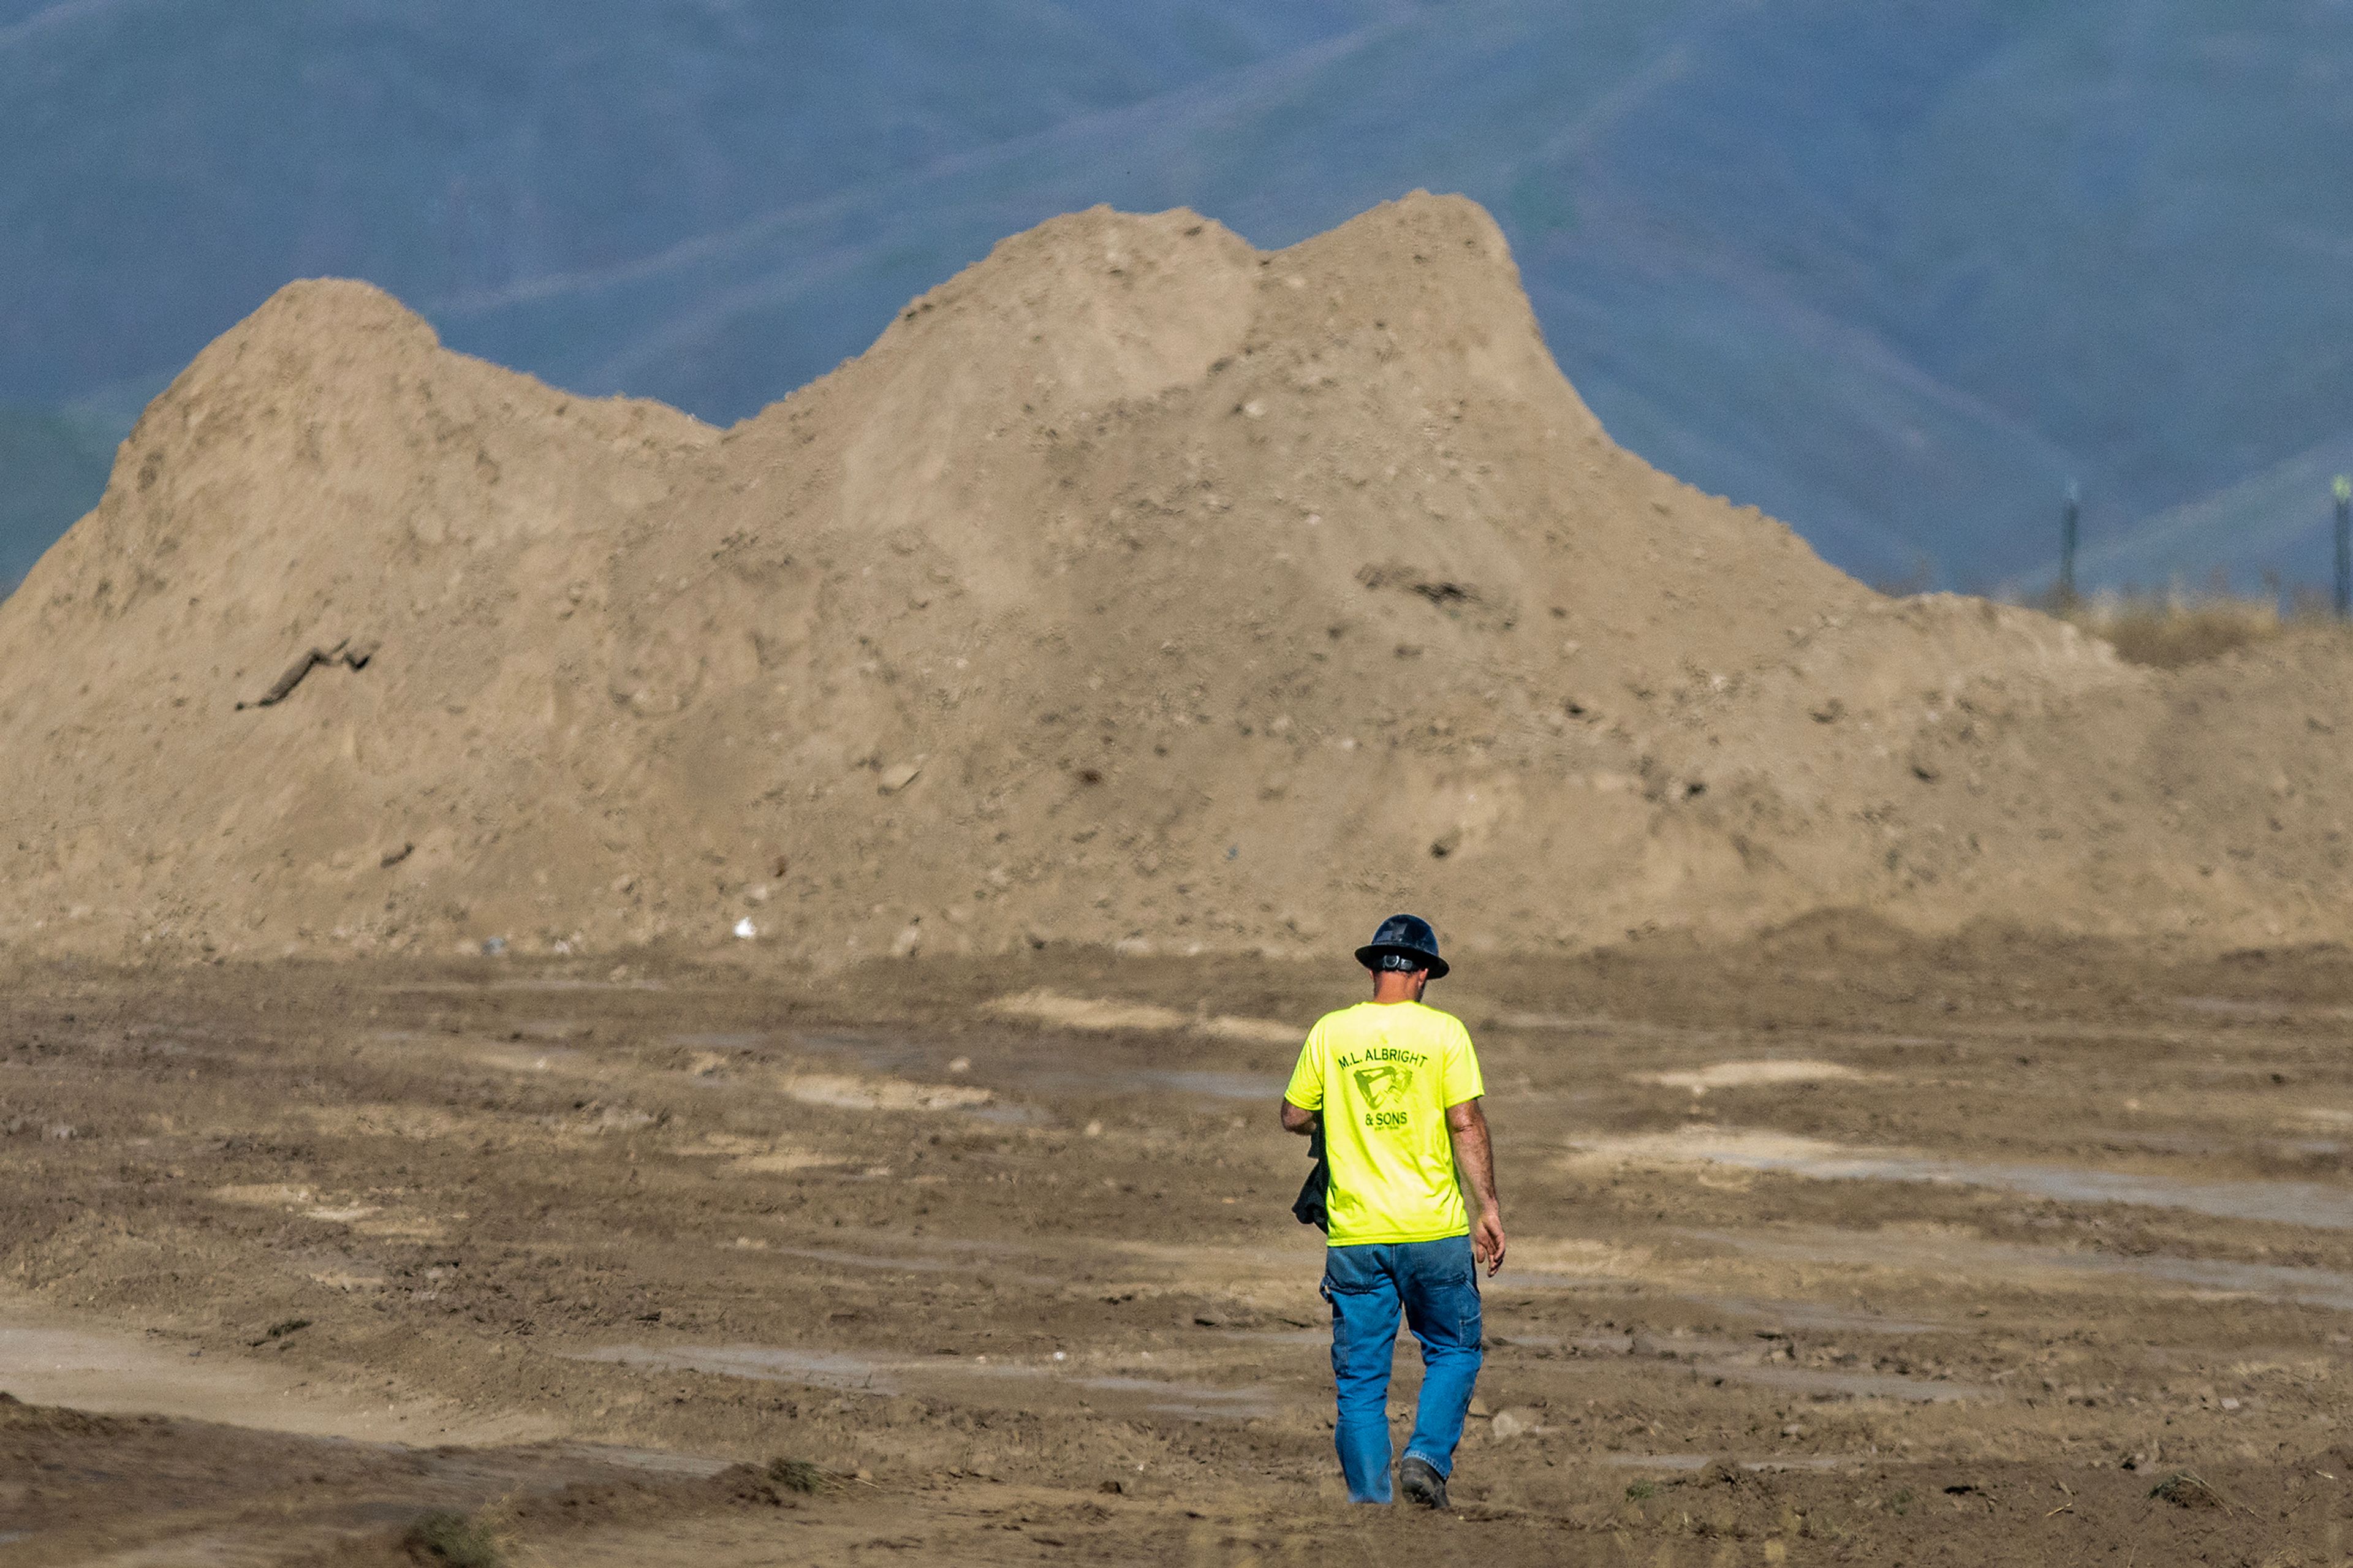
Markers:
1136,588
1836,1244
1052,694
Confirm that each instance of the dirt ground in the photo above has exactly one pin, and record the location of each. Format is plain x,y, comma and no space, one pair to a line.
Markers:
1835,1246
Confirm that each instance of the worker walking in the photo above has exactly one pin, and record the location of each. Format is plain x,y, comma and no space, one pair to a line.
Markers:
1394,1087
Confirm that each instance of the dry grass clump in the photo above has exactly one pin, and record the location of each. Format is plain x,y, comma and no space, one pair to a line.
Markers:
2187,1488
2171,635
2169,631
458,1540
801,1476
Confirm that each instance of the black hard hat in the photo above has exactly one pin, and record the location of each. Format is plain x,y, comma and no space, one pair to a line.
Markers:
1408,936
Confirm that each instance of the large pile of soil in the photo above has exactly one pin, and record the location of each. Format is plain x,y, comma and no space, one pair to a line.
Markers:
1136,588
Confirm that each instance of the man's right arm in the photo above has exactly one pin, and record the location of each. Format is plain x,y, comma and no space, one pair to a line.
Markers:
1307,1083
1475,1155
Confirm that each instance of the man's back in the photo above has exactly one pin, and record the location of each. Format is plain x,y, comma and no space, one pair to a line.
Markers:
1383,1076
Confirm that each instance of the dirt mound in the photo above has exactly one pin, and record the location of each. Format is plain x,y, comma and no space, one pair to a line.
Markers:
1136,588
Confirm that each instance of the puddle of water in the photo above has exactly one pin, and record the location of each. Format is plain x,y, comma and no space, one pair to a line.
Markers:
2231,1007
1125,1081
2307,1203
1748,1075
2273,1012
1104,1016
773,1161
864,1374
1817,1462
1952,1256
344,1215
43,1360
844,1093
516,1056
1197,1401
881,1052
1090,1012
840,1092
1256,1031
1055,1076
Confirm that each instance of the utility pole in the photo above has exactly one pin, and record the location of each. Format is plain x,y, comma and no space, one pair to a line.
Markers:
2344,547
2070,517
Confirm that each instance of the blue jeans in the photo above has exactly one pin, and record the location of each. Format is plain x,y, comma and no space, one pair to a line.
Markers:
1437,1283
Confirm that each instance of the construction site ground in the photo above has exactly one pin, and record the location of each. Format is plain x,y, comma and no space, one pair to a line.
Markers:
1835,1246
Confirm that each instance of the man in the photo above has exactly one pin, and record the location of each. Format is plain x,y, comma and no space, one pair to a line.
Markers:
1395,1087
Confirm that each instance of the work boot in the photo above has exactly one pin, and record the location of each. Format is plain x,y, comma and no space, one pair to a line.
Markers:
1421,1481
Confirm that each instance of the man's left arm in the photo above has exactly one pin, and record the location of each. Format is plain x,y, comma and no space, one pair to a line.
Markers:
1474,1153
1474,1156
